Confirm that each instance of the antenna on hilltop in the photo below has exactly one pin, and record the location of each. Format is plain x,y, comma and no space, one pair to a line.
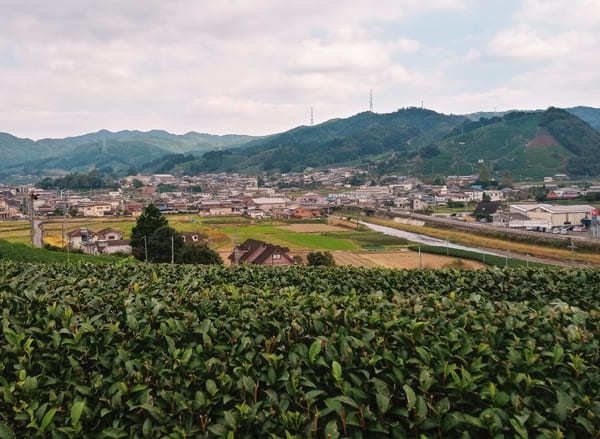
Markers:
371,100
421,105
312,116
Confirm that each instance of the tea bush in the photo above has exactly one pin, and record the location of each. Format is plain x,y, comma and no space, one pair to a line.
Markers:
133,350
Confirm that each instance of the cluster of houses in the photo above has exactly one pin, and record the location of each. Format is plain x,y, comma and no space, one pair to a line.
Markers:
105,241
276,196
412,194
10,202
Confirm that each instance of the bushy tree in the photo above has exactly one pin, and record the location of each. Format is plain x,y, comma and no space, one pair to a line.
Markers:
484,174
320,258
506,180
539,193
439,180
147,223
162,242
197,253
137,183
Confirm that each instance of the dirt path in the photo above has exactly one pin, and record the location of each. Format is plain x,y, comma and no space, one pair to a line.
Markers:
312,228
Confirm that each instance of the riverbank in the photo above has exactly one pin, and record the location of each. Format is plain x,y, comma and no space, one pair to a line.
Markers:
494,246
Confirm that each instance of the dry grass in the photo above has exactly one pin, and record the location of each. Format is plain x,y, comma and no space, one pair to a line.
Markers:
353,259
474,240
410,259
312,228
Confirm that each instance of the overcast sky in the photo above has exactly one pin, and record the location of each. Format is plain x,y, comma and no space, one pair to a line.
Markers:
256,66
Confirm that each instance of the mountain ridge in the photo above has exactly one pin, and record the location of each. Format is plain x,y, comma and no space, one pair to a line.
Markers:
404,140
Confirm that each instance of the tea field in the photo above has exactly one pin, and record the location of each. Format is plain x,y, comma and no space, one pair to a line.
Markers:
134,351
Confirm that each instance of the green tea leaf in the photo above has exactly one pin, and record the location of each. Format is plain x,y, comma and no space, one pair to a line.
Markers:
314,351
336,370
211,387
5,431
47,419
411,398
331,430
563,405
520,429
76,411
383,402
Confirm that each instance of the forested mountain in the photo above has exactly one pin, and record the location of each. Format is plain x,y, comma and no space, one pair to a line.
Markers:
354,140
414,141
529,144
588,114
119,150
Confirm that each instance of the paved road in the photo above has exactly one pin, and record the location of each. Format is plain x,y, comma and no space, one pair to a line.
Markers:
423,239
428,240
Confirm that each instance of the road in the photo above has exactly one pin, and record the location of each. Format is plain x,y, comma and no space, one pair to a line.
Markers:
423,239
428,240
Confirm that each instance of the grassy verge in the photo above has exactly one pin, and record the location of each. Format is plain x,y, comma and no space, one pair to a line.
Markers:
492,243
370,240
23,253
494,261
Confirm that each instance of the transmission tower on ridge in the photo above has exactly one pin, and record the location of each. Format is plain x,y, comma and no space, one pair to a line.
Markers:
371,100
312,116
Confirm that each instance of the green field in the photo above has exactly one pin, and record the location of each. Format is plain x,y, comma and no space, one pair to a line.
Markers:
371,240
16,251
294,240
222,232
136,350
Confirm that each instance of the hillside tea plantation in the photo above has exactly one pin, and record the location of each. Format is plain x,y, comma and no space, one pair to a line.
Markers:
145,351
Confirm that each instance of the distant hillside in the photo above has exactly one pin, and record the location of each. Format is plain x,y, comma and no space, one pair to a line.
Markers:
118,150
488,114
528,144
354,140
587,114
590,115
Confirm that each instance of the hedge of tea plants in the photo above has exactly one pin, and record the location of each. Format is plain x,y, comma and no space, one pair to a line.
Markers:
136,351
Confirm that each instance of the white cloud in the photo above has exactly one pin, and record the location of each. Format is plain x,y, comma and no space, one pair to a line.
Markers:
256,66
529,44
119,64
556,44
472,54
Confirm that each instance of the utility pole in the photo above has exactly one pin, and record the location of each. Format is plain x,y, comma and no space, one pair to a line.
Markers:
66,209
420,260
572,247
30,208
145,248
371,100
172,250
